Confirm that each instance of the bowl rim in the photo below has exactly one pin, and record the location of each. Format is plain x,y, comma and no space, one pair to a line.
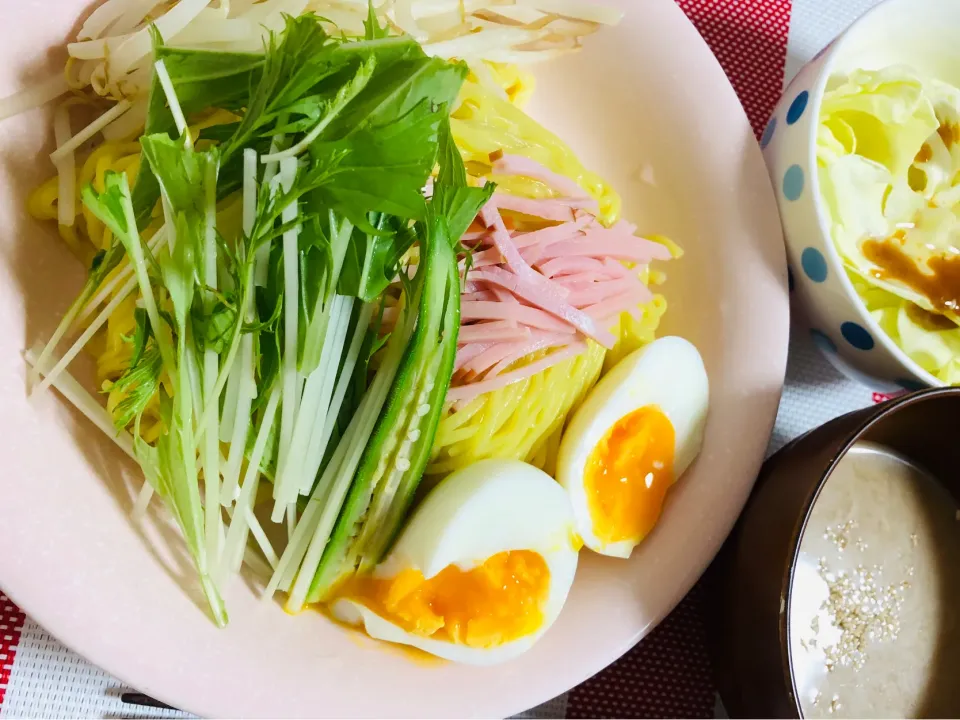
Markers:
881,413
817,89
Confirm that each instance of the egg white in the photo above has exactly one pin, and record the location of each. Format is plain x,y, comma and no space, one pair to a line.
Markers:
667,373
489,507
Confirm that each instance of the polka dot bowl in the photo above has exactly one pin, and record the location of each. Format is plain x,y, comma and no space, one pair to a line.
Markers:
918,33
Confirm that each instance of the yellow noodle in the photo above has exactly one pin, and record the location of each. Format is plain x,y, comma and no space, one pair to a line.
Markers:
484,123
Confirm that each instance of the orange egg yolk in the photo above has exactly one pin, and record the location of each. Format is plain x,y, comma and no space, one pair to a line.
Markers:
486,606
628,473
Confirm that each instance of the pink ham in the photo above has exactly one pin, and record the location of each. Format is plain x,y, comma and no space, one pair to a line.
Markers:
593,293
496,331
491,356
528,284
554,210
465,393
525,167
523,314
467,353
606,312
562,309
602,244
575,265
554,233
541,341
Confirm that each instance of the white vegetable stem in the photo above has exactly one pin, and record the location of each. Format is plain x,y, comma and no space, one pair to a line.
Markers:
305,550
123,271
89,131
291,293
171,94
333,486
228,418
34,97
75,393
237,535
87,335
143,502
262,262
325,417
74,316
243,370
314,404
146,289
211,368
322,431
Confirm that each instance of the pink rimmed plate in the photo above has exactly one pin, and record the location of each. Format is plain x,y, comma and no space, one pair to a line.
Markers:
644,104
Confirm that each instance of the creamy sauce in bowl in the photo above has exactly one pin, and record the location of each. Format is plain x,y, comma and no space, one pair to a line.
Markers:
874,625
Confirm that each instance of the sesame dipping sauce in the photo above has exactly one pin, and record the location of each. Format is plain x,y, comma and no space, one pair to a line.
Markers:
874,613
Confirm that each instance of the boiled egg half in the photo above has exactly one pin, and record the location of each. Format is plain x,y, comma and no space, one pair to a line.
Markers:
637,431
480,572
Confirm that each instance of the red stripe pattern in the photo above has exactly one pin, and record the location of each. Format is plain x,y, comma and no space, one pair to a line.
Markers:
668,674
11,623
749,38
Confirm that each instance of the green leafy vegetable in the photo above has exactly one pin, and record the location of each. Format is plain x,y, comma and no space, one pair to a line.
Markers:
141,379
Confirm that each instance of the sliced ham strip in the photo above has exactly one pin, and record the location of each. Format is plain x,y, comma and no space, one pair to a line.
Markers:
514,260
483,258
554,210
615,269
595,293
554,233
472,236
600,244
465,393
496,331
528,284
525,167
607,312
542,341
562,309
523,314
467,353
574,265
491,356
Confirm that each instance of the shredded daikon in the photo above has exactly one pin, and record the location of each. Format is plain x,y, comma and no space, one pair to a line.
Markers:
89,131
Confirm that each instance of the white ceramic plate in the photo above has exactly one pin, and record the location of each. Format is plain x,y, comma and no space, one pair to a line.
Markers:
646,99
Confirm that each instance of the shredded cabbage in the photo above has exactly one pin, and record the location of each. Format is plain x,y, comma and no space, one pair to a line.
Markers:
888,155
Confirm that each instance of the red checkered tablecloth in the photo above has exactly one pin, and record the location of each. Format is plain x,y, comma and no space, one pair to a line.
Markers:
760,44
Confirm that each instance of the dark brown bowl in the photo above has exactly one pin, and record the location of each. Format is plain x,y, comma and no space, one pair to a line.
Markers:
753,575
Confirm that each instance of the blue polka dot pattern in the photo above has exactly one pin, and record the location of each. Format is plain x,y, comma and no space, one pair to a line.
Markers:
793,182
768,132
823,342
814,264
797,107
910,384
857,336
